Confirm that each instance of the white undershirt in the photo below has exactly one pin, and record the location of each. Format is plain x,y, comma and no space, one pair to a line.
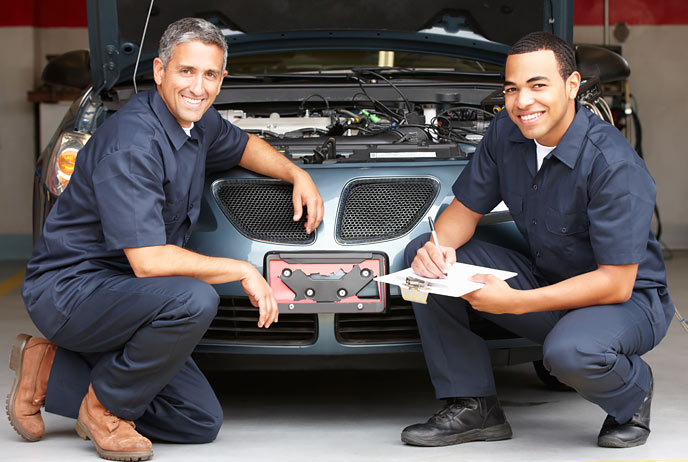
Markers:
542,152
188,130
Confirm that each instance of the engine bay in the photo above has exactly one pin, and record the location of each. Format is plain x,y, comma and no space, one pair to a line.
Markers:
376,132
361,115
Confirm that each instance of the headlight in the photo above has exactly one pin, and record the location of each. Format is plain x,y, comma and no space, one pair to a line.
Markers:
63,159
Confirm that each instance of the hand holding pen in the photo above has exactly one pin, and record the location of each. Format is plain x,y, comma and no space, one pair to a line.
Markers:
433,260
436,241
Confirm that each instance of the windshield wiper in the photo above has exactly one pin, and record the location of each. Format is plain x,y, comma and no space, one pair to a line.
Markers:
345,74
420,71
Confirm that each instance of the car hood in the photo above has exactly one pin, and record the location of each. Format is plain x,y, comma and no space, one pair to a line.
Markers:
464,28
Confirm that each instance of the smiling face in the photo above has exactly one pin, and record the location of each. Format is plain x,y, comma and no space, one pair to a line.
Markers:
191,80
539,101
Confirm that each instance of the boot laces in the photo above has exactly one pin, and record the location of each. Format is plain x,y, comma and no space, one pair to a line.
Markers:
451,409
116,420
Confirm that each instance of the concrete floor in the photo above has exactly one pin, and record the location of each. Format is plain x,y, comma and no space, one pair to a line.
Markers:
342,415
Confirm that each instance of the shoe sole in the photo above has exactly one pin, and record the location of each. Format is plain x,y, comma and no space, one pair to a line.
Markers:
617,443
16,360
495,433
85,434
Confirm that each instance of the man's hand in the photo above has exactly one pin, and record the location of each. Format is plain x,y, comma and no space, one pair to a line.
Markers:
496,296
430,263
607,285
455,226
260,295
306,194
262,158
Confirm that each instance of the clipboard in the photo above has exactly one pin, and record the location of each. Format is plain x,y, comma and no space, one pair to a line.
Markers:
415,288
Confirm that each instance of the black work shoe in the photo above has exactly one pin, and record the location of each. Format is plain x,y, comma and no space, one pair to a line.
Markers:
630,434
460,421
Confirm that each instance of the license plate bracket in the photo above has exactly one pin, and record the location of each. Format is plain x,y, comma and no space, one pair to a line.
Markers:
327,282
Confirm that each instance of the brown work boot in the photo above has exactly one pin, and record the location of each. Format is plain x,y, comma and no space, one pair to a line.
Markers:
114,438
31,359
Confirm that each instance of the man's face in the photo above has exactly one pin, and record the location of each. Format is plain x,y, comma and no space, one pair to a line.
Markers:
539,101
191,81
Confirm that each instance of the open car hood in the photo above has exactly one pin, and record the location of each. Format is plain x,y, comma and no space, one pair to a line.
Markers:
464,28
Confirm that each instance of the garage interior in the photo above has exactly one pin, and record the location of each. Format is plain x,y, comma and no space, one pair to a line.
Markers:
345,415
358,414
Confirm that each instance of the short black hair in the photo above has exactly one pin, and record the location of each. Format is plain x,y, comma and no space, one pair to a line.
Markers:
537,41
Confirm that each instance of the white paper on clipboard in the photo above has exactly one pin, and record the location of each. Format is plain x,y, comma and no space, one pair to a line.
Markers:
456,284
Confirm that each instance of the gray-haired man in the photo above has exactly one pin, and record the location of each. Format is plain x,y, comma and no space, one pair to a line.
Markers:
110,285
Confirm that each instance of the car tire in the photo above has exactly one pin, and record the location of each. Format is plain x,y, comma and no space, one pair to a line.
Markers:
548,379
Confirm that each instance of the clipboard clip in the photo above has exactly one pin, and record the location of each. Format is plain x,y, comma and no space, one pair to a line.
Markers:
415,290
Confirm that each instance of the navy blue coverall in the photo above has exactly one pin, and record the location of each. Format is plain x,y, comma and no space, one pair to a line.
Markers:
590,204
137,182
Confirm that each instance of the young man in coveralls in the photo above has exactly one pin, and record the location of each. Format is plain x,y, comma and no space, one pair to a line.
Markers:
592,287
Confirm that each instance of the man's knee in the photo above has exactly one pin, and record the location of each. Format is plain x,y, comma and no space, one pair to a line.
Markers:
573,360
203,300
213,428
192,421
206,430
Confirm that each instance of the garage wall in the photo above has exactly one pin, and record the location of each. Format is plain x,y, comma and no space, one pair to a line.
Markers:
658,84
655,50
16,130
30,30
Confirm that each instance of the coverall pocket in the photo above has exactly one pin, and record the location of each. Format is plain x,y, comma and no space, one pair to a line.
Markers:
567,237
565,224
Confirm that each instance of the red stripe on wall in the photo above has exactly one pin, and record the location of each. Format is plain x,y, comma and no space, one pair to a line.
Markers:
43,13
638,12
61,13
16,13
72,13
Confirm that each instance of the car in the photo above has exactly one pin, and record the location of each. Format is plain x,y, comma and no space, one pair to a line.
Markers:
382,103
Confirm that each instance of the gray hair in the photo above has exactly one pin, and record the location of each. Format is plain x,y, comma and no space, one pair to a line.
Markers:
188,30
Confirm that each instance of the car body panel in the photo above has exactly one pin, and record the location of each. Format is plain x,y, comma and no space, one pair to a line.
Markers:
116,27
460,29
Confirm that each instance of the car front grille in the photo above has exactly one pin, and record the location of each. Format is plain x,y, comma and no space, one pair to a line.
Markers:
236,322
262,210
379,209
397,325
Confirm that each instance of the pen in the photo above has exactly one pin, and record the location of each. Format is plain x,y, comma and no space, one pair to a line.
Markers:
434,236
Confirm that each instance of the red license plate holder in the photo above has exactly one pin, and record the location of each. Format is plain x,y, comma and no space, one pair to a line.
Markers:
327,282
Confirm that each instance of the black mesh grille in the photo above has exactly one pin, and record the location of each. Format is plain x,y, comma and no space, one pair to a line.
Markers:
398,325
262,210
381,209
236,322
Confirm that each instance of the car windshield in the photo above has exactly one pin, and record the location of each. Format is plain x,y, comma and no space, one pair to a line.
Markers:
345,60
